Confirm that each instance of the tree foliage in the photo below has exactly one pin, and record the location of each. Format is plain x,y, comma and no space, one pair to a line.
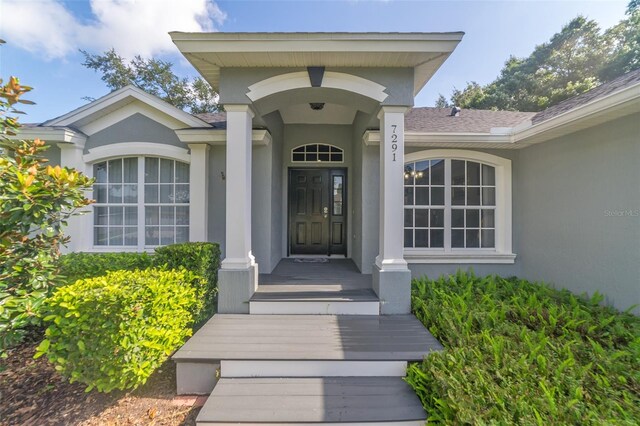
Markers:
156,77
35,202
573,61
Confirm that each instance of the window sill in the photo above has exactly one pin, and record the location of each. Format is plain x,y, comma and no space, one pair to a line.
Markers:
431,257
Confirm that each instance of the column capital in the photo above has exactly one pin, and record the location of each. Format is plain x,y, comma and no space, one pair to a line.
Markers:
387,109
240,108
201,146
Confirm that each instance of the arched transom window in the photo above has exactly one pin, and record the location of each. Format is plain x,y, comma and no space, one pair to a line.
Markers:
140,202
456,204
317,153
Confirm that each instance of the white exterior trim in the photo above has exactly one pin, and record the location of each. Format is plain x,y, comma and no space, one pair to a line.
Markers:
331,79
503,211
279,83
355,84
199,193
127,149
127,111
51,134
100,106
311,368
218,137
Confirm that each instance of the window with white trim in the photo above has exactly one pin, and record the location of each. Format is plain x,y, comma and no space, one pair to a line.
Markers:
457,203
317,153
140,202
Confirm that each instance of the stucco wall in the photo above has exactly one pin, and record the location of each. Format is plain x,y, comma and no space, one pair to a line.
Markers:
217,195
52,153
579,211
276,128
136,128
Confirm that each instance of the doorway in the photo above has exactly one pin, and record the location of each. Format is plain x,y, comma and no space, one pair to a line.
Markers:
318,211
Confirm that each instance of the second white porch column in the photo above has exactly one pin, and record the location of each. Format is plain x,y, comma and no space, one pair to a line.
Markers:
391,277
238,273
238,194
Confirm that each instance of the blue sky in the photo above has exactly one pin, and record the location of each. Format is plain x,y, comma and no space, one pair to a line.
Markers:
44,39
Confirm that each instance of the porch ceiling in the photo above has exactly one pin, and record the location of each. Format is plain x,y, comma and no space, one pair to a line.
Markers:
425,52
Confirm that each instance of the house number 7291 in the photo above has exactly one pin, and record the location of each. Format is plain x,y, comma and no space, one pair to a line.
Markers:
394,141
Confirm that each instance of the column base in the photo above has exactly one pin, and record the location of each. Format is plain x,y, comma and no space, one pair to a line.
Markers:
235,288
393,287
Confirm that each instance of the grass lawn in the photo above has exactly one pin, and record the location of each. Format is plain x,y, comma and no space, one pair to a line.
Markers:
523,353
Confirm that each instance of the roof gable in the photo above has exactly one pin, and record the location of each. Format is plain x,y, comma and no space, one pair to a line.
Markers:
121,104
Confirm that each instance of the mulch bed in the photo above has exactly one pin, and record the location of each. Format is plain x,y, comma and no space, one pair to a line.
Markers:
33,393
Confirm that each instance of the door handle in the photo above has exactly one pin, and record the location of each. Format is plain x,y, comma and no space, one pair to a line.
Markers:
325,212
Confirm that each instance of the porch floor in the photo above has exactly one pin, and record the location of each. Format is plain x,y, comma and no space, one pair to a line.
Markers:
336,272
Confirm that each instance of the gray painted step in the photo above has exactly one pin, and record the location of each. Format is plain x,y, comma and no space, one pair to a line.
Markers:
308,338
313,300
355,400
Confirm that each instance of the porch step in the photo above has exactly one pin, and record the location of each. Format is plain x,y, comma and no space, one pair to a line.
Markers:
312,401
301,346
313,300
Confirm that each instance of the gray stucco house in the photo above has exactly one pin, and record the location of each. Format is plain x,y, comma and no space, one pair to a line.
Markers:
321,154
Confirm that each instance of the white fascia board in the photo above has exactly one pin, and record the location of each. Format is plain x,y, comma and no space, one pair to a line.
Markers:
590,110
372,138
104,102
315,42
52,134
219,136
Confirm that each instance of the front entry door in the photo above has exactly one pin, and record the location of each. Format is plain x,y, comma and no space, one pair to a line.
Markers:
317,211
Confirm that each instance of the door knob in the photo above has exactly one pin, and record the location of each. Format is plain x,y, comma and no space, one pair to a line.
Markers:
326,212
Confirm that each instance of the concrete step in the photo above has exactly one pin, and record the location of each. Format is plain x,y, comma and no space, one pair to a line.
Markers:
313,401
313,300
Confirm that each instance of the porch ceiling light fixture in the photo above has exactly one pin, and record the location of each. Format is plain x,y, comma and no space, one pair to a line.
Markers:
316,106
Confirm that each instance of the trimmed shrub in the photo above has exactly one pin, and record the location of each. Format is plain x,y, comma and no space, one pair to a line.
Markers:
112,332
203,259
76,266
523,353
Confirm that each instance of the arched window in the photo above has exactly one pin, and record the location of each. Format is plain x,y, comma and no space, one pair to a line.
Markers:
141,202
317,153
457,203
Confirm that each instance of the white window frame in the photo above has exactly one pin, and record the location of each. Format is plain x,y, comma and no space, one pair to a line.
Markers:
341,151
139,150
502,253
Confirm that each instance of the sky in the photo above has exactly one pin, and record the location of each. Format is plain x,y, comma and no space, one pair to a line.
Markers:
44,36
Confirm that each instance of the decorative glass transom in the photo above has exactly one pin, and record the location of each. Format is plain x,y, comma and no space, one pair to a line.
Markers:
317,153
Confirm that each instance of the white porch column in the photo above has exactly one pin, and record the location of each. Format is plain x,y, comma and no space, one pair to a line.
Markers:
199,192
78,227
239,271
391,277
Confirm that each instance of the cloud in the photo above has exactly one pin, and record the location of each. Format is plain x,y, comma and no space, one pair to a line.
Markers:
132,27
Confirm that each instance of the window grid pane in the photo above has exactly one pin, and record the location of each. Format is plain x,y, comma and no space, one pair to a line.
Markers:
473,205
317,153
470,216
163,198
424,204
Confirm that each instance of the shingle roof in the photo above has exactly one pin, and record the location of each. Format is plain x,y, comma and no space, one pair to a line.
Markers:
427,119
603,90
216,119
439,120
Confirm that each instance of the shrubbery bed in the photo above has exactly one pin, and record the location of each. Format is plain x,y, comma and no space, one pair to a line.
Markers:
523,353
112,332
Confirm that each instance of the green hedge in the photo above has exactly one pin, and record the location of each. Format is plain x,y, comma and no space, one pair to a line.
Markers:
203,259
76,266
112,332
523,353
